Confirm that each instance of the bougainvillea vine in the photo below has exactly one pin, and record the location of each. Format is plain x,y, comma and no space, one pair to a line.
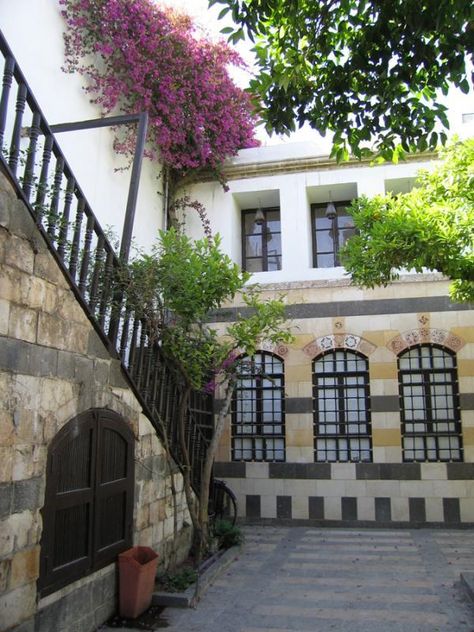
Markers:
138,56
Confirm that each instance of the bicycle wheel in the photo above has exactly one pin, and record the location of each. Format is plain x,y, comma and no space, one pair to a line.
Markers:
224,502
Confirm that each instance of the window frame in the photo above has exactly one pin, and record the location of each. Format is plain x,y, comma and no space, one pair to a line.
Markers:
341,422
93,494
264,245
429,421
343,204
257,406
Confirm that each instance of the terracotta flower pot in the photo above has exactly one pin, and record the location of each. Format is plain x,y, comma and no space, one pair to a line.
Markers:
137,571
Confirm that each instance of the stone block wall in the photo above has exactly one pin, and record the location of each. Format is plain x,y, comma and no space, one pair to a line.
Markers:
53,366
379,324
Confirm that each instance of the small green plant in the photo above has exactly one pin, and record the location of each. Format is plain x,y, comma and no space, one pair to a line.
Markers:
179,581
227,534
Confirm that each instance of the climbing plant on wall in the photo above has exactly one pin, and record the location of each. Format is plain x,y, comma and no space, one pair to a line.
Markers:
138,56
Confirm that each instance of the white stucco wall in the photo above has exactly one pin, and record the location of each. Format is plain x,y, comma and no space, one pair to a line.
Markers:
294,192
34,31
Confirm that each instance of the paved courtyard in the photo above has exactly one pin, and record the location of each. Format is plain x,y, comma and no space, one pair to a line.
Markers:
299,579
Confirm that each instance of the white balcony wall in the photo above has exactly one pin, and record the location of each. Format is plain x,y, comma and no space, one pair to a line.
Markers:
34,31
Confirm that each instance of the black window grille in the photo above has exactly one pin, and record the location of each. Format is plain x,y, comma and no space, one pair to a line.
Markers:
330,233
429,400
341,409
88,510
261,240
258,415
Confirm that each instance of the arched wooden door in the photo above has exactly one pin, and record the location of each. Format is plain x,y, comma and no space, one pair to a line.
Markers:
88,510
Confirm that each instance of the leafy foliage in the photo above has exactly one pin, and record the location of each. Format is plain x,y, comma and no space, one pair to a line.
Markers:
227,534
362,69
137,57
431,227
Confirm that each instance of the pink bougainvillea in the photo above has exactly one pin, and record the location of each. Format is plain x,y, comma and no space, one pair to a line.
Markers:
137,56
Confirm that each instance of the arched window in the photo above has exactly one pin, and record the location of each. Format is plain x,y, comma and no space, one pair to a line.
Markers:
341,407
258,416
88,510
429,401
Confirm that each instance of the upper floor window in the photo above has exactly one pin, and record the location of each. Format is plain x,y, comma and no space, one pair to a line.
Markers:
341,407
258,416
331,227
431,426
261,239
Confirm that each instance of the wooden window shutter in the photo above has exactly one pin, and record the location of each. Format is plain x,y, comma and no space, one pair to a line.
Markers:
88,511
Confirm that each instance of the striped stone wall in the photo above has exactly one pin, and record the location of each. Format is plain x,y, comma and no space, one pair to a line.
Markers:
380,324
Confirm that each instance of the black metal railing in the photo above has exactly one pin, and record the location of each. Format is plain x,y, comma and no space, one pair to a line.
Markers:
34,162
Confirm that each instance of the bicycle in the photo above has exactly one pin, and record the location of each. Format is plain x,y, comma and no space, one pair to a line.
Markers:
222,502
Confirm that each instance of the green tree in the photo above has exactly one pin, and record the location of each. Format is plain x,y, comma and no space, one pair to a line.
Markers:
363,69
431,227
174,289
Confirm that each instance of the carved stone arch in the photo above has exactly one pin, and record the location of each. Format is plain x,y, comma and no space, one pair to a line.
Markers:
425,335
348,341
280,350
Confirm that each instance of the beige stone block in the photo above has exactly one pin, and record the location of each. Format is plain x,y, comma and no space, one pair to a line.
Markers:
22,323
145,537
332,488
465,367
19,254
24,567
468,436
416,489
434,510
466,506
467,418
383,370
379,337
386,437
299,373
23,466
257,470
466,384
332,508
387,454
24,397
6,426
262,486
69,309
469,454
37,293
6,464
299,507
451,489
434,471
47,268
18,605
355,488
299,421
383,387
300,438
466,333
62,334
365,509
343,471
4,316
386,421
54,394
268,506
299,454
390,489
400,509
10,284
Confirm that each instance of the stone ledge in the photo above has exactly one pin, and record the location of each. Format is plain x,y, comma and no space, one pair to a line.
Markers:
187,598
467,580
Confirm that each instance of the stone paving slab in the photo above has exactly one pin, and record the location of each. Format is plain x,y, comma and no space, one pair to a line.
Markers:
301,579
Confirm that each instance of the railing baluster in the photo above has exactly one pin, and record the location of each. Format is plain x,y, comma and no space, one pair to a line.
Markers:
133,345
76,238
98,271
16,136
7,84
53,209
43,181
31,155
86,254
105,291
63,232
